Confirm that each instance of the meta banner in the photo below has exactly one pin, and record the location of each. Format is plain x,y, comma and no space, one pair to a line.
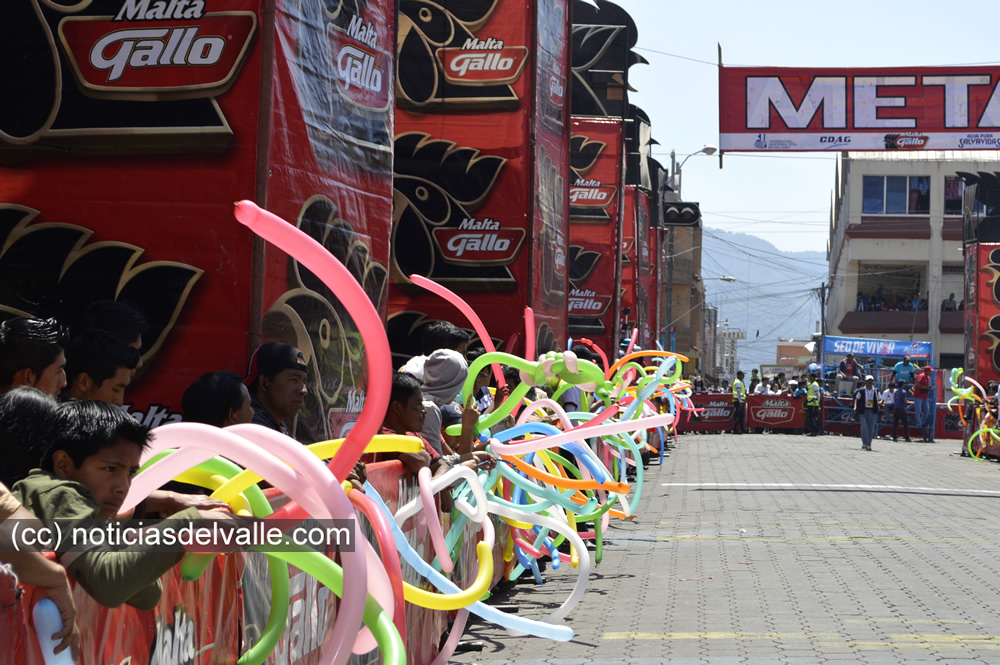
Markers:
877,347
906,108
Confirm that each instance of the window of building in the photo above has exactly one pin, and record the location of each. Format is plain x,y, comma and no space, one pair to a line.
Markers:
954,188
891,287
896,195
954,193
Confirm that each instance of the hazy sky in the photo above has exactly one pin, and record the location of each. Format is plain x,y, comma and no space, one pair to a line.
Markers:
781,197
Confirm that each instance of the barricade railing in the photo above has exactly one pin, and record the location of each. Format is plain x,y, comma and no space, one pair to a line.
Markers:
219,616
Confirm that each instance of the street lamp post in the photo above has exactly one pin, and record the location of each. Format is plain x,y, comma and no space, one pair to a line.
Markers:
675,183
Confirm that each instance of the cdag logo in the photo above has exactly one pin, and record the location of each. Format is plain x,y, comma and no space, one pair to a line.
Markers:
906,141
135,52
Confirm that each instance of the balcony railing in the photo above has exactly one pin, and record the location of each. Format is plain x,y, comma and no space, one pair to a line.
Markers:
952,322
884,322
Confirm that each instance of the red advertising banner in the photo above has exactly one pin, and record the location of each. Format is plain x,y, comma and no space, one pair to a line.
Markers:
902,108
464,188
630,272
776,411
646,261
983,332
714,413
195,623
595,236
550,229
656,288
118,171
329,172
971,309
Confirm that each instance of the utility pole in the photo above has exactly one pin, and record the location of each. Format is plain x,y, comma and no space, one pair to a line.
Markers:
822,308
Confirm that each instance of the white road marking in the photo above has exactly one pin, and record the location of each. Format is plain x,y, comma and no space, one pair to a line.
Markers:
899,488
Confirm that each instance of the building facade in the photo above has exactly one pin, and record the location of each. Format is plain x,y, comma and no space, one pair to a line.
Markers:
895,248
685,332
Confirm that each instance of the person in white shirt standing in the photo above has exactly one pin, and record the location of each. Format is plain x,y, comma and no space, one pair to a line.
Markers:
866,405
887,399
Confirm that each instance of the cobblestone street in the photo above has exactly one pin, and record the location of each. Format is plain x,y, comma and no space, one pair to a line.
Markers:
783,549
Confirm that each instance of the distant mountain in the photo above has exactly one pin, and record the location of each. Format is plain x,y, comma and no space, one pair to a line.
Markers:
775,294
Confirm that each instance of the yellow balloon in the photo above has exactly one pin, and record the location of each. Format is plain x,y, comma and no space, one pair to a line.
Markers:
456,601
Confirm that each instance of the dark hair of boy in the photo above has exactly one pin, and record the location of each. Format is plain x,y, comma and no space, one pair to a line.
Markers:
583,352
217,398
403,387
29,346
122,319
83,428
444,335
26,420
99,354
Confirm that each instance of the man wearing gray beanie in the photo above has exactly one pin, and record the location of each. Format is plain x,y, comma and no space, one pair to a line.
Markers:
444,374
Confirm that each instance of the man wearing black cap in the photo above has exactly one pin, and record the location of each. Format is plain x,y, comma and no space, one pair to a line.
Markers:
277,384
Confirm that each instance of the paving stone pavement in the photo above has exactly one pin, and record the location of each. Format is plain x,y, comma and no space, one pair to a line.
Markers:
785,550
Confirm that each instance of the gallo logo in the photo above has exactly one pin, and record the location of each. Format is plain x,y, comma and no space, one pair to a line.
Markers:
557,90
585,302
362,73
591,194
560,260
150,60
173,644
908,141
773,411
482,242
717,410
482,61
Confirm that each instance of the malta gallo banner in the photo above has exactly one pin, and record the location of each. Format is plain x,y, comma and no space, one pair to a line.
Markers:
463,172
595,236
630,272
195,623
330,172
714,413
550,221
646,265
983,332
776,411
129,129
905,108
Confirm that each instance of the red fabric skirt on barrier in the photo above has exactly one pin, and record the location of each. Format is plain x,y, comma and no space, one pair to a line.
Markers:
195,623
199,623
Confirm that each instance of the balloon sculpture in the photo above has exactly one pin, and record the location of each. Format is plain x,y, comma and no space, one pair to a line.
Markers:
559,471
978,402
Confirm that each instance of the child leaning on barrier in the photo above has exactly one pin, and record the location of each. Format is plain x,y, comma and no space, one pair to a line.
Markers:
86,474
